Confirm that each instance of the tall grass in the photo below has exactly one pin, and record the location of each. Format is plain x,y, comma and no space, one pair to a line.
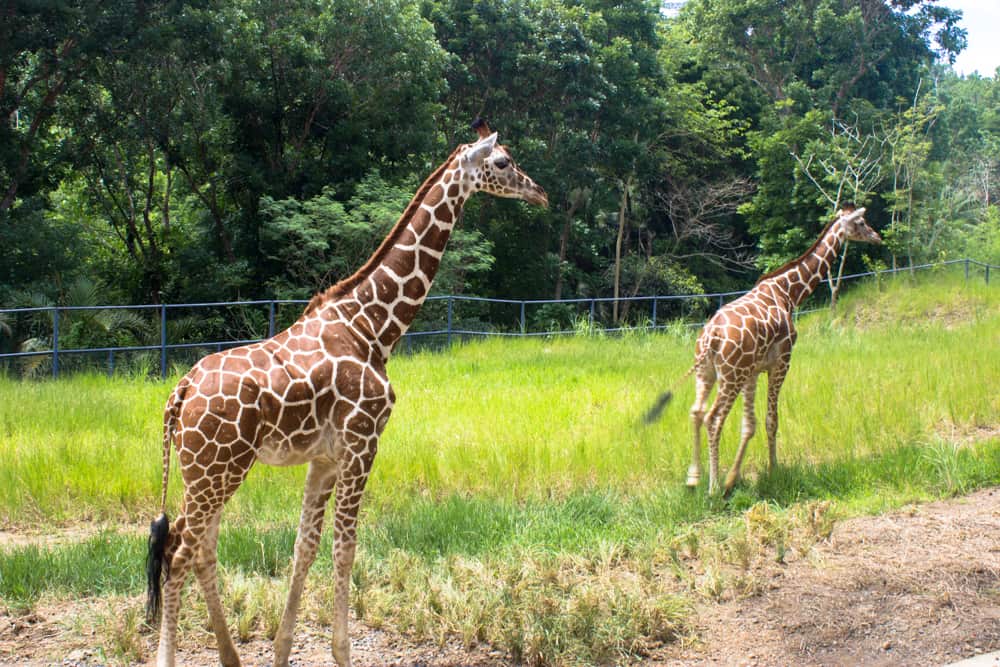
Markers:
517,499
523,419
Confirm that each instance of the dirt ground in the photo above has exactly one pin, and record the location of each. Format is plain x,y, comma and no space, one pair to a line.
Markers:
920,586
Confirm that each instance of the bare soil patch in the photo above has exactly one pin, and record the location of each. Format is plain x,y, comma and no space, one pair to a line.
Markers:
919,586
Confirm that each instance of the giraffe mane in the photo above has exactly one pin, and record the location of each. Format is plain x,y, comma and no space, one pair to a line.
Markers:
344,286
789,264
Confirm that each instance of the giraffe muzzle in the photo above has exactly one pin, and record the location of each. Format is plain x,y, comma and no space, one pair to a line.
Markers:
538,197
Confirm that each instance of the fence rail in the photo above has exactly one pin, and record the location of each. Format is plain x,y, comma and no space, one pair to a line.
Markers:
448,332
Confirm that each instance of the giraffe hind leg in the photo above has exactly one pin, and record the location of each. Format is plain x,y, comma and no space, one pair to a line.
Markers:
747,431
194,533
728,391
703,385
205,567
774,381
179,563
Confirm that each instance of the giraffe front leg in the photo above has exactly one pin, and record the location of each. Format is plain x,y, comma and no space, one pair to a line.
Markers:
747,431
319,486
350,489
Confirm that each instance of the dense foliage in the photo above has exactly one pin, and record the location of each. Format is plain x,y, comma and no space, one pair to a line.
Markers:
188,151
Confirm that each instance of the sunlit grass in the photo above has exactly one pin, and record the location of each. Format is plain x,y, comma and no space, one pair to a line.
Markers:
523,419
526,458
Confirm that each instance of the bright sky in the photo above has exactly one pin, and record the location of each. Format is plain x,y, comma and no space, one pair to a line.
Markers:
981,18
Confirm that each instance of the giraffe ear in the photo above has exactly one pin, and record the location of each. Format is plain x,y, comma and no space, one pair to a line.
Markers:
480,150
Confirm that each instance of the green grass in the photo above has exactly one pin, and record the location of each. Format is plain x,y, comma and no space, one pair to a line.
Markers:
517,499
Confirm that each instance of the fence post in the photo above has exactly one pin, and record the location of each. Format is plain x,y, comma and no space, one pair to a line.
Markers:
449,320
270,320
987,274
591,319
966,269
55,342
654,312
522,318
163,341
721,302
111,363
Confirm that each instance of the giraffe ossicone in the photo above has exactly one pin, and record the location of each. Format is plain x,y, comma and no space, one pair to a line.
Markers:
316,393
752,335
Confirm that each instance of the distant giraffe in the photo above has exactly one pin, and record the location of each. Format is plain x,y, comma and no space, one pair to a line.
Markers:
753,334
315,393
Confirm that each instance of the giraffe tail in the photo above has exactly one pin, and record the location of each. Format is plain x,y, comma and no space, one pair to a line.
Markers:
661,403
159,530
663,400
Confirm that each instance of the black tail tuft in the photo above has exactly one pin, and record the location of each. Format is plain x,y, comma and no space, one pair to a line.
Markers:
159,530
654,412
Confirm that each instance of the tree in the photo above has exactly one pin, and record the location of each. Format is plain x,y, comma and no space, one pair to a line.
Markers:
826,52
47,54
844,166
908,142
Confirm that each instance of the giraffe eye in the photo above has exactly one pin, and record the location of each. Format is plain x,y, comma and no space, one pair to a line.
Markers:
501,162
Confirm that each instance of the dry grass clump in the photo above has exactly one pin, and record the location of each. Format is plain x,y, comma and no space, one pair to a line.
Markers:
543,608
728,560
253,605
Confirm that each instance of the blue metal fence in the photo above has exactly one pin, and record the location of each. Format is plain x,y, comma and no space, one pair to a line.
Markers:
716,299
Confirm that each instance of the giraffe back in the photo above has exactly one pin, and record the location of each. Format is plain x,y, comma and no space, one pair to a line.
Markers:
752,333
281,400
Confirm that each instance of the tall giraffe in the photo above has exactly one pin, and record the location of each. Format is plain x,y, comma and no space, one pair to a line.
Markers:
754,334
315,393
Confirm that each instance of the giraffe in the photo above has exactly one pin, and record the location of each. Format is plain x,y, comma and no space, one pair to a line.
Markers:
755,334
316,393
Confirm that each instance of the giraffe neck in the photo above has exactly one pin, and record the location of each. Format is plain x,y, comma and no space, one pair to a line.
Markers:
800,277
382,298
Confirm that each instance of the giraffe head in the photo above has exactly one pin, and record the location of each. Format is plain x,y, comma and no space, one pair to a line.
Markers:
853,221
488,167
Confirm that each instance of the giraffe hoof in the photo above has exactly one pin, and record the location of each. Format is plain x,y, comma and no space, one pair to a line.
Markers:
692,482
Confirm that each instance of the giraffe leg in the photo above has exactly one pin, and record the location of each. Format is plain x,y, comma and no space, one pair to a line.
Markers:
350,488
775,378
205,571
180,551
703,385
197,523
319,486
749,427
728,391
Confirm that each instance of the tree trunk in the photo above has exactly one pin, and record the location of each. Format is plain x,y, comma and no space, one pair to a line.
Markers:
618,249
564,246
